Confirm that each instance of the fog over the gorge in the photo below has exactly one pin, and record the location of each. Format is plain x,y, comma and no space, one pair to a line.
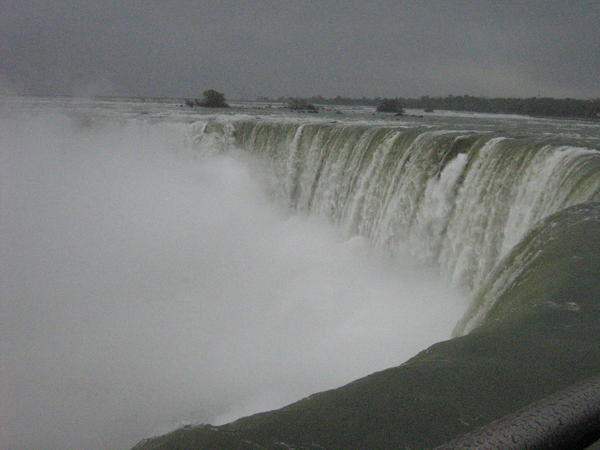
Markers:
145,285
373,48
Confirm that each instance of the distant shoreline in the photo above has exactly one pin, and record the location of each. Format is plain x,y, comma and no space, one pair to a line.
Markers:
541,108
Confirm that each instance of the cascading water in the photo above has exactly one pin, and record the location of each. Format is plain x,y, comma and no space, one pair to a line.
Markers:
447,197
149,281
458,200
145,276
512,220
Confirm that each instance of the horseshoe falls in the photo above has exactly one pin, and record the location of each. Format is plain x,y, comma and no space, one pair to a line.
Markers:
457,200
165,268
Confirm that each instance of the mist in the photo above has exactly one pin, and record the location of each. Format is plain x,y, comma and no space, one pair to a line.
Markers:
148,283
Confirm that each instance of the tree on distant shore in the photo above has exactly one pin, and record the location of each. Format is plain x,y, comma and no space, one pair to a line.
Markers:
211,99
299,104
391,105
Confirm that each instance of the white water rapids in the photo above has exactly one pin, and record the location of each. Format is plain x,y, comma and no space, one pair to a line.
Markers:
149,282
460,201
153,274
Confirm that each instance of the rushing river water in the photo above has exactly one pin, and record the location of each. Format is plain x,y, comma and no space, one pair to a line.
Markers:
164,266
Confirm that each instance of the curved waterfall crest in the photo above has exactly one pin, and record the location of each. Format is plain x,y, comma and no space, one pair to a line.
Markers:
460,200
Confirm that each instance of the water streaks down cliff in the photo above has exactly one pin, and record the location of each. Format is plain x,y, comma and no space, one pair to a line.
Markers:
150,284
483,208
147,284
459,200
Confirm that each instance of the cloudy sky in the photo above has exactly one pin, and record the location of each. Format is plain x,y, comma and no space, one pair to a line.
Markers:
251,48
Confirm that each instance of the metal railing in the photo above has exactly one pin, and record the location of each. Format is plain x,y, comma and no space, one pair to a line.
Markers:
568,419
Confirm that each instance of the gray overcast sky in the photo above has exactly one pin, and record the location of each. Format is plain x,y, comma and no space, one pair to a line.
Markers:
279,47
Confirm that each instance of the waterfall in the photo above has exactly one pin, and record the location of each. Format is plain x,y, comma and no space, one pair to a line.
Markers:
459,200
